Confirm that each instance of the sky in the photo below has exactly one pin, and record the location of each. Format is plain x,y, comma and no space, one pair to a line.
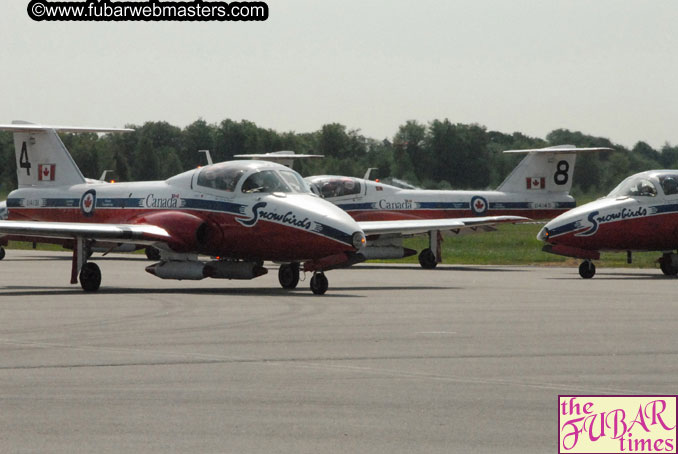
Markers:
604,67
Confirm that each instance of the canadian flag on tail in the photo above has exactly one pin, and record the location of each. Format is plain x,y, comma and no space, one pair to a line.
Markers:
535,183
46,172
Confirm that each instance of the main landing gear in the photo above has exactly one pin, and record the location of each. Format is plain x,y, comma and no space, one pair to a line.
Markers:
152,253
288,275
431,256
666,264
427,259
87,273
587,269
2,253
90,277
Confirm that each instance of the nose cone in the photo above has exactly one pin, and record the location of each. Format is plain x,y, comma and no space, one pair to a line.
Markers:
560,227
576,224
327,219
544,233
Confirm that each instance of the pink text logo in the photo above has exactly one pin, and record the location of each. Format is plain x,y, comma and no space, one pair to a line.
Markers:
617,424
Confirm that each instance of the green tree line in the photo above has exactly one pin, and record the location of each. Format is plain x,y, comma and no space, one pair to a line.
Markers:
437,155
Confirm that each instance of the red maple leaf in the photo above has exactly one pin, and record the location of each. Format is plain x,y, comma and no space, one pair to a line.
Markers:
479,205
88,203
45,171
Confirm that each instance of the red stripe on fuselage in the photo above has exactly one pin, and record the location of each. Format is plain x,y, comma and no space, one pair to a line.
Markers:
650,233
265,240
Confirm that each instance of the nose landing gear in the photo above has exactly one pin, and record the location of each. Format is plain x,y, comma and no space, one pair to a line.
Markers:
319,283
288,276
587,269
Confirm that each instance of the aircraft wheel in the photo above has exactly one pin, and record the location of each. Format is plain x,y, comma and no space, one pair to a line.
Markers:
90,277
152,253
587,269
319,283
2,253
427,259
288,275
666,266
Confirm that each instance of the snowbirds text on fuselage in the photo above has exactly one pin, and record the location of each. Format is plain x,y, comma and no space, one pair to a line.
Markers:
244,212
640,214
538,188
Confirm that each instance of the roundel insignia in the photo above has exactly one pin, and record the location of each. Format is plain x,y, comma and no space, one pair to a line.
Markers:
479,205
88,202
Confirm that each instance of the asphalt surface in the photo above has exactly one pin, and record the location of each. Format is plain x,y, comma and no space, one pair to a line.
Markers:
393,359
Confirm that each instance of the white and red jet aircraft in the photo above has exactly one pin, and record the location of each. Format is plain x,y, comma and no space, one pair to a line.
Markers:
243,212
638,215
538,188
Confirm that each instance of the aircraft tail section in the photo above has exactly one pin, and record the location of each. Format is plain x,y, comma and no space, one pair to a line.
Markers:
42,160
544,169
285,158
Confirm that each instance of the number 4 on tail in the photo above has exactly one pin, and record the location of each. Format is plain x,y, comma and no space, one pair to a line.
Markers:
24,163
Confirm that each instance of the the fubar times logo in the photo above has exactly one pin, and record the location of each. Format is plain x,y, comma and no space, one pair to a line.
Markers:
617,424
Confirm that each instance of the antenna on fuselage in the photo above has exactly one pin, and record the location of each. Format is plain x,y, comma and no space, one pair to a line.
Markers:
369,170
103,175
208,156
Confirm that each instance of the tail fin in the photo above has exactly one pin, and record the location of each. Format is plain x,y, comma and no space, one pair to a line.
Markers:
41,157
545,169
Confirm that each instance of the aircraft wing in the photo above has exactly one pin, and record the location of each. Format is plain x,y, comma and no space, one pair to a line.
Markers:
122,233
559,149
418,226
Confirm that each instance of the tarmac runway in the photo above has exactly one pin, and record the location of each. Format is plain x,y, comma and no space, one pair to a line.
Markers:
393,359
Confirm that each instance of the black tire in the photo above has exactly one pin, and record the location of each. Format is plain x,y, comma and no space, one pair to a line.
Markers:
90,277
288,275
666,265
587,270
2,253
319,283
427,259
152,253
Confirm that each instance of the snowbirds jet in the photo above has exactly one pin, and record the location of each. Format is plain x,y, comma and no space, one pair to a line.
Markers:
240,212
638,215
538,188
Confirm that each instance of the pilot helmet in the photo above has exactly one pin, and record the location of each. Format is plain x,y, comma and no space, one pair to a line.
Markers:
645,188
670,185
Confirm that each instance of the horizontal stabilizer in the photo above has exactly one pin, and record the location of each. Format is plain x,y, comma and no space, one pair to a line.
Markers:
22,126
285,158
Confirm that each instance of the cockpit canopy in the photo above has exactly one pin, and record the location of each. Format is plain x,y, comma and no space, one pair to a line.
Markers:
646,185
237,176
330,187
